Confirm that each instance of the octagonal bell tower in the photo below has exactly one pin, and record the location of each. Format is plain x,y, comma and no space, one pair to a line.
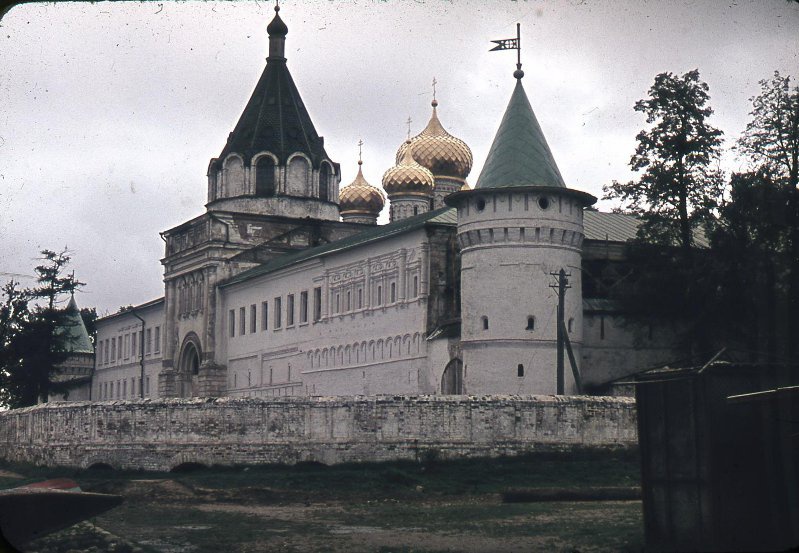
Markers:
517,227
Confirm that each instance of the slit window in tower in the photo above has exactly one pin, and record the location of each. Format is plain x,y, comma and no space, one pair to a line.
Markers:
324,178
530,323
485,322
265,177
520,370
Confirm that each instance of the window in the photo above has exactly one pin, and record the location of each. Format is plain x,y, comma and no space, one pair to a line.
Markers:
349,300
338,302
118,389
379,295
124,388
520,370
290,310
484,320
265,177
113,349
571,325
127,346
105,390
147,386
253,318
304,306
133,350
133,387
264,315
530,323
149,345
480,204
317,303
157,348
231,323
278,313
416,210
393,292
360,298
416,286
324,178
242,321
543,202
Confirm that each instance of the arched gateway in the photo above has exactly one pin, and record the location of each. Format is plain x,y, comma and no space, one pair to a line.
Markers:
189,364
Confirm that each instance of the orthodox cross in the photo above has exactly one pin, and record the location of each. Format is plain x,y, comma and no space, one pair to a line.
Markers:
360,143
409,121
434,88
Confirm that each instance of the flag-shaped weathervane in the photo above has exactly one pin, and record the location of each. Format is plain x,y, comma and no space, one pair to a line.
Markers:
512,44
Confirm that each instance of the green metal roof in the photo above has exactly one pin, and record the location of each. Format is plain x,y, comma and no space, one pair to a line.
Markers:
73,333
519,155
443,216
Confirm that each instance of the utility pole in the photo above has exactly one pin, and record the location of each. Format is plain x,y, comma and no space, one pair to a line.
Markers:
561,286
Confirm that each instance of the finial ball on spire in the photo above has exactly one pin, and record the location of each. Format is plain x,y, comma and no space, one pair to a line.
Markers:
518,73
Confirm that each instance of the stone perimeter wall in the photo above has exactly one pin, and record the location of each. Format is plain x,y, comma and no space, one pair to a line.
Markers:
163,433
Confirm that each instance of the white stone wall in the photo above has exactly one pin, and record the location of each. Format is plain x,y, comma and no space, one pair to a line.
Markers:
117,373
369,338
512,242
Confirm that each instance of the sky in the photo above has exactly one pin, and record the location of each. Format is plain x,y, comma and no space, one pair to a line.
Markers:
111,111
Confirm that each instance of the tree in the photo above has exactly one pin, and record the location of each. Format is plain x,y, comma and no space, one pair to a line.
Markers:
772,136
678,187
34,342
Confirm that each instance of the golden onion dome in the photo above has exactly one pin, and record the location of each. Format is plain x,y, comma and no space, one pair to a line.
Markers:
408,177
361,197
440,152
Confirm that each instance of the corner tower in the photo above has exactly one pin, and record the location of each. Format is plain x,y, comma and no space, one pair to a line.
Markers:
274,162
519,225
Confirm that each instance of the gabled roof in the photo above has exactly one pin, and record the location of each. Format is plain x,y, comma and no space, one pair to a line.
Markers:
74,335
275,119
443,216
519,155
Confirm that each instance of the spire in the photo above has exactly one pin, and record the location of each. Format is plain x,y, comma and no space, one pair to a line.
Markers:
519,155
277,31
73,332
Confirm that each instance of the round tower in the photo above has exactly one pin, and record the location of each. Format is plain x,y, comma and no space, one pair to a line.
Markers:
518,228
447,157
409,187
359,201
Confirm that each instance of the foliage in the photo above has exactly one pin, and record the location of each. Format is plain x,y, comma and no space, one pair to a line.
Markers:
678,188
771,138
32,333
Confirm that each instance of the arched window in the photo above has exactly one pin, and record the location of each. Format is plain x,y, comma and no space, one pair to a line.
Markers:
485,322
324,180
530,323
265,177
234,177
297,181
520,370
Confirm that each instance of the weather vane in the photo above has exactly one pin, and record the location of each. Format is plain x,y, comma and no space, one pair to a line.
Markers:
512,44
360,143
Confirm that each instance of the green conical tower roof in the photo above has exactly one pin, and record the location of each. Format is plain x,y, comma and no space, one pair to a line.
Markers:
73,333
519,155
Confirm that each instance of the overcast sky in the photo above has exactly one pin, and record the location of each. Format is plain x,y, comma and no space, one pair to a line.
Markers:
110,112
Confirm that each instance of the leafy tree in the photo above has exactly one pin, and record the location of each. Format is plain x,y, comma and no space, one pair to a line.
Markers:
678,187
772,136
34,343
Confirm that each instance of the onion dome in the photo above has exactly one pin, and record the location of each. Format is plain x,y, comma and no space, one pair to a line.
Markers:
440,152
277,27
360,197
408,177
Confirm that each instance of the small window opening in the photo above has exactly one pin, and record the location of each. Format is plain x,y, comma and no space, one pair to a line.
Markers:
530,323
520,370
571,325
481,204
485,322
543,202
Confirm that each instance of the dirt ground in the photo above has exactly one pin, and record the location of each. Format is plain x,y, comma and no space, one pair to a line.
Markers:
378,509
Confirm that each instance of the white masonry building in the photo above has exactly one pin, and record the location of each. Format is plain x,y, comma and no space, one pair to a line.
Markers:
286,286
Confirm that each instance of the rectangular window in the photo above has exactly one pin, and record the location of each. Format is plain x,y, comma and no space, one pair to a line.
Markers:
393,292
157,347
360,298
147,386
149,341
126,352
231,323
290,310
113,349
317,303
416,286
253,321
349,300
264,315
118,388
338,302
278,313
379,295
133,350
242,321
105,390
124,388
304,306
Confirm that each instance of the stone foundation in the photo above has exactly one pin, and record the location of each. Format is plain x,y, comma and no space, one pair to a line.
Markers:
161,434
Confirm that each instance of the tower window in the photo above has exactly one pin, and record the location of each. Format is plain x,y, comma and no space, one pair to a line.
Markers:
480,205
416,210
484,320
265,177
543,202
324,178
520,370
530,323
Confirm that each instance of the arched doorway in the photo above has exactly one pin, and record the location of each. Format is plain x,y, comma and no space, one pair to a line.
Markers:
189,364
452,379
